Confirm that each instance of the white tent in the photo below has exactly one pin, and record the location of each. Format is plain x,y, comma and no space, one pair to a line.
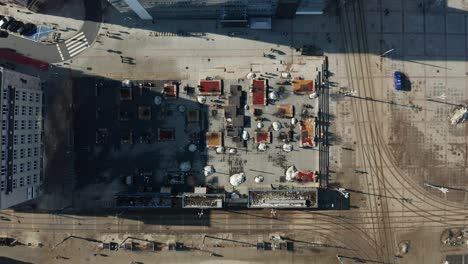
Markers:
277,126
185,166
245,135
220,150
192,147
157,100
208,170
201,99
291,173
287,147
237,179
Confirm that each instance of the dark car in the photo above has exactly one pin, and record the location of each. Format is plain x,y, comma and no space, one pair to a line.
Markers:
12,25
19,27
29,29
397,80
3,34
16,26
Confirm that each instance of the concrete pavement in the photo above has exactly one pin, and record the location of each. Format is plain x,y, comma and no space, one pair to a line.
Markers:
53,53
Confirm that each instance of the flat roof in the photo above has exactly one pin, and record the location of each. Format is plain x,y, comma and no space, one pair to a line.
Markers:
294,198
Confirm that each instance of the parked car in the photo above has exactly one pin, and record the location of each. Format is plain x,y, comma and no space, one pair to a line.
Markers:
397,80
5,22
18,26
12,25
29,29
3,34
15,25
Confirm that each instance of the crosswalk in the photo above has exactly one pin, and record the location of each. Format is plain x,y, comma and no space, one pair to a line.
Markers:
73,46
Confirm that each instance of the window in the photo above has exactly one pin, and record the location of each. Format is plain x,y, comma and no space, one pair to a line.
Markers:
36,137
29,139
14,168
38,111
2,185
35,178
23,124
38,98
30,110
36,124
4,124
28,166
21,168
24,96
16,95
3,139
5,109
5,94
3,155
15,139
35,165
29,152
22,139
21,182
15,152
30,124
16,124
14,183
21,153
28,179
31,97
16,109
23,110
36,151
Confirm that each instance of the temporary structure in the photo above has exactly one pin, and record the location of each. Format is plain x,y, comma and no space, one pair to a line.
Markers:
277,126
208,170
237,179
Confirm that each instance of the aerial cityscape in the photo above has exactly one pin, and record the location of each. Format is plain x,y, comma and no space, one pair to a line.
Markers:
234,131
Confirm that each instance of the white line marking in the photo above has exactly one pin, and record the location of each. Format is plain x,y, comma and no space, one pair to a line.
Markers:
75,37
71,44
60,51
77,47
78,51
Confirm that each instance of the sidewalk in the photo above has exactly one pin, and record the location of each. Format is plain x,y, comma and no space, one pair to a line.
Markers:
65,19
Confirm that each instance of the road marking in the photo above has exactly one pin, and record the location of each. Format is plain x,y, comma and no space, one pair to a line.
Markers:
75,47
60,51
78,51
74,38
77,44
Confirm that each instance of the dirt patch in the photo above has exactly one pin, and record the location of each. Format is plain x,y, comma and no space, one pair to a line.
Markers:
436,162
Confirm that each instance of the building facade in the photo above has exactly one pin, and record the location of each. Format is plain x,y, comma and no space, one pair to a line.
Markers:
22,137
218,9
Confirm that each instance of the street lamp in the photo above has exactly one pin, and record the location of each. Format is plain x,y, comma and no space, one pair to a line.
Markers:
444,190
387,52
343,192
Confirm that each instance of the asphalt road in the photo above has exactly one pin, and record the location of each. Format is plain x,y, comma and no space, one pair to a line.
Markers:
53,53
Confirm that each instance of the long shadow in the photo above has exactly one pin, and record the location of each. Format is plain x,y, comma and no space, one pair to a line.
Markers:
257,216
118,13
386,102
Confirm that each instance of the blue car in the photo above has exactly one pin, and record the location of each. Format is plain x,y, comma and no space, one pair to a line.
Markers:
397,80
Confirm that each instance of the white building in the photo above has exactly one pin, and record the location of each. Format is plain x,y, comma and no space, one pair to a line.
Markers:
22,128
